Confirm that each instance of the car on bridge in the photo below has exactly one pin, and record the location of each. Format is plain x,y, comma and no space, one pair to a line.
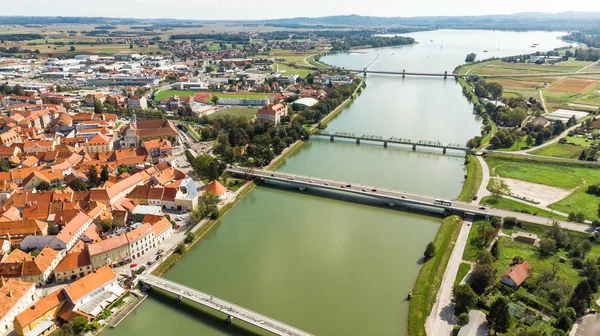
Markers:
374,190
348,185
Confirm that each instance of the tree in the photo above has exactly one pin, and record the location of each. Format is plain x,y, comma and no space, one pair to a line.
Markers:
565,319
584,247
529,140
43,186
104,174
4,165
547,245
485,232
494,89
53,230
77,184
214,99
93,176
463,319
482,277
581,297
98,107
470,57
429,251
485,257
72,48
498,317
180,249
18,90
464,298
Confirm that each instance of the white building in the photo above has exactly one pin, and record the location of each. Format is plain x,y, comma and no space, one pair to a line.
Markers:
140,240
15,296
137,102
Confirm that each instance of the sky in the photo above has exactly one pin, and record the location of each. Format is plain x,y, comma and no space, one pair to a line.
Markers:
273,9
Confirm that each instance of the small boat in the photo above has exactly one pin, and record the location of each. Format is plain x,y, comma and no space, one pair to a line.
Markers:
430,40
485,51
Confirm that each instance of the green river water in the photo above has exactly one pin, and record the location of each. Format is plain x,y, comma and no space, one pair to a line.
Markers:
326,265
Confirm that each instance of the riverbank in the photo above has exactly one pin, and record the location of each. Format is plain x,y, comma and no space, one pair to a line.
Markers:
473,180
430,277
343,105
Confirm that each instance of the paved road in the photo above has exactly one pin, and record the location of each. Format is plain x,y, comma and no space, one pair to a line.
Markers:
441,320
399,197
483,192
588,326
477,325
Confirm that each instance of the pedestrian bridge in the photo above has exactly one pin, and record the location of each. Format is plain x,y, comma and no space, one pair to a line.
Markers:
392,140
231,310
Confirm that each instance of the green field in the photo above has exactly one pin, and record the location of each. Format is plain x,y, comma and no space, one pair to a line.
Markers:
463,269
566,151
566,175
512,205
193,132
171,93
247,112
430,276
472,182
474,244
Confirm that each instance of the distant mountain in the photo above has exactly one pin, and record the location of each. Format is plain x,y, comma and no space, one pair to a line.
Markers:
520,21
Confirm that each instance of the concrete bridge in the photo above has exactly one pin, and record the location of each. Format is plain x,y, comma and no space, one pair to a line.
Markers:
400,198
231,310
445,74
392,140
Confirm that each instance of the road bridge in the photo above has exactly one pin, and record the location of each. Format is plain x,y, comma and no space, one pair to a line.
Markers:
399,197
231,310
392,140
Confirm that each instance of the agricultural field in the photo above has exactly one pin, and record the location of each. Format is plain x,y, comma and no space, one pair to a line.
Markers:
565,151
573,85
566,175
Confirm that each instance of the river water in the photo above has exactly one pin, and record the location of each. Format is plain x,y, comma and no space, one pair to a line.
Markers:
326,265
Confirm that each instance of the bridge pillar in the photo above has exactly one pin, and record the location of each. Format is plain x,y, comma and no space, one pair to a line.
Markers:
357,141
403,73
385,144
331,138
414,147
445,74
444,150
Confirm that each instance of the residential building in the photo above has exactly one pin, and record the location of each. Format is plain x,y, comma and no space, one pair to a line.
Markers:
73,266
140,240
19,229
217,189
91,98
137,102
516,275
158,147
111,251
99,143
224,100
15,297
40,318
22,266
272,113
162,230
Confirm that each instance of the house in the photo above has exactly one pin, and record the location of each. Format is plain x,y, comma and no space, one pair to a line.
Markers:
20,229
91,98
516,275
93,292
15,297
162,230
111,251
99,143
137,102
73,266
40,318
217,189
140,240
9,138
540,122
272,113
146,130
158,147
22,266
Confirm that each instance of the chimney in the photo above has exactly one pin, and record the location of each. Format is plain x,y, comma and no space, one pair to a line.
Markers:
10,294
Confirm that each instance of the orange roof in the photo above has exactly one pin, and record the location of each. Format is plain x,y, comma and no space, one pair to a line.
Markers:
140,232
11,292
72,227
40,308
161,226
22,227
215,188
107,245
17,256
518,273
40,263
73,261
89,283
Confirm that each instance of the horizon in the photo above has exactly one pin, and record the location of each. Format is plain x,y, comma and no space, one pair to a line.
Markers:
237,10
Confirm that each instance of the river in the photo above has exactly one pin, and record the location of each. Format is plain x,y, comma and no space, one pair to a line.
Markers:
329,266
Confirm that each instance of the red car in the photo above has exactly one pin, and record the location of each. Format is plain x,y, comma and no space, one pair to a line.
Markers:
342,186
133,265
374,190
177,226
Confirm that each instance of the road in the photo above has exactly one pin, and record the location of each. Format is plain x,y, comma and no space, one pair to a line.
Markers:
399,197
589,325
485,180
441,320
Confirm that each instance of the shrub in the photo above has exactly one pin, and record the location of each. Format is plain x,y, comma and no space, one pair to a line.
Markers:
463,319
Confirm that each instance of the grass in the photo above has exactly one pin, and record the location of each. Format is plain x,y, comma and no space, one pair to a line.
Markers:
567,175
474,244
302,72
430,276
171,93
565,151
473,180
517,146
248,112
512,205
463,269
192,132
